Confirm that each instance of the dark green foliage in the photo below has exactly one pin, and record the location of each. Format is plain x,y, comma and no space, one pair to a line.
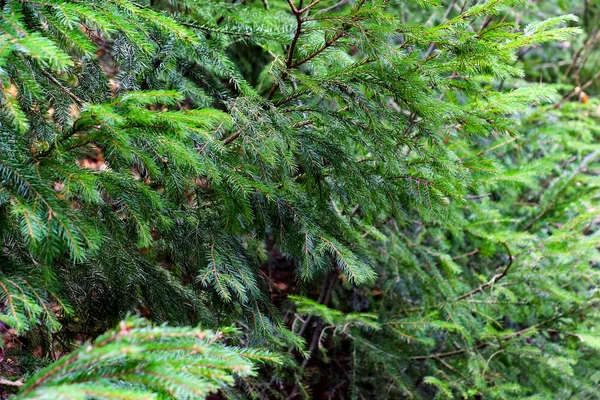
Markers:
397,166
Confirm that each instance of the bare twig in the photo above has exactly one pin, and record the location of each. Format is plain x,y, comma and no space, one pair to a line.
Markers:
308,7
498,145
578,90
479,196
7,382
324,298
333,7
231,138
469,254
448,354
588,44
63,88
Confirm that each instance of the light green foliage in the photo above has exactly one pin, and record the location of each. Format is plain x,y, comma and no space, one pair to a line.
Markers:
140,361
496,305
334,318
431,204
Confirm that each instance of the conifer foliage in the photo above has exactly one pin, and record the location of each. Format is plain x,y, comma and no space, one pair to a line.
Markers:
395,167
137,361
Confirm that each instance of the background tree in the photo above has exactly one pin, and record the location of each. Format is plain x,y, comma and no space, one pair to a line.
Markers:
395,166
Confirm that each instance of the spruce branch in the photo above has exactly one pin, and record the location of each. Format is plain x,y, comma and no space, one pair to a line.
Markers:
290,63
366,154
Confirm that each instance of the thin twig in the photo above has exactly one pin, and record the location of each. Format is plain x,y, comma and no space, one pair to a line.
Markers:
479,196
578,90
498,145
488,362
469,254
324,298
64,89
333,7
494,279
589,43
308,7
290,64
231,138
448,354
7,382
329,43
